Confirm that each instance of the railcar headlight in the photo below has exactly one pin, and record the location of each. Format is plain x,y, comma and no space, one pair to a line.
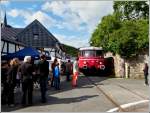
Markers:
100,62
102,67
84,62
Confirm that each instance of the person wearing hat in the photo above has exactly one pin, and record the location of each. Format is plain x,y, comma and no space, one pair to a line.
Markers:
43,67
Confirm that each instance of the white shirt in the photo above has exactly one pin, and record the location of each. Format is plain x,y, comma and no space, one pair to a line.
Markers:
75,67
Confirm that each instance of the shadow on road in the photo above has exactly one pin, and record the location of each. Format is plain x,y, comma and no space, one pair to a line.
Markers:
65,86
55,100
51,101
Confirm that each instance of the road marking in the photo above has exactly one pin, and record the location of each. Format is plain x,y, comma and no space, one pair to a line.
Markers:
129,105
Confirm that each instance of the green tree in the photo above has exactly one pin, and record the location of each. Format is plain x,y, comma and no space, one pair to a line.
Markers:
101,35
125,33
124,41
70,50
132,9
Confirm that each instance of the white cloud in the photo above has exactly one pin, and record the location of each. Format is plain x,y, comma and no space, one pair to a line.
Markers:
79,16
60,8
14,13
30,16
74,41
5,2
1,15
33,7
74,13
42,17
57,7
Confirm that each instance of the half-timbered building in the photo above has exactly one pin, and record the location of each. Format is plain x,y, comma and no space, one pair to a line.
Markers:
34,35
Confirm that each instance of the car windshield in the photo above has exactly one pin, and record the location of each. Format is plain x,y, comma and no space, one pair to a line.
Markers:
91,53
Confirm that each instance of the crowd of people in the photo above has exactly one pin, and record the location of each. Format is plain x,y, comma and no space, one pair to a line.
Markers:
25,74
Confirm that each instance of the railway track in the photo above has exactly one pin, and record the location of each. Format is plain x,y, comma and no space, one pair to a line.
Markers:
109,97
135,93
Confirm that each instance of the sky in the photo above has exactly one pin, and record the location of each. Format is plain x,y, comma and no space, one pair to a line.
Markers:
71,22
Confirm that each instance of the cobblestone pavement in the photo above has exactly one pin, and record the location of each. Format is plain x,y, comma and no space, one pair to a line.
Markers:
85,97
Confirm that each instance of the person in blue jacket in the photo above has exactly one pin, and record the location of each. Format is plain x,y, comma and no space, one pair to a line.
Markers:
57,77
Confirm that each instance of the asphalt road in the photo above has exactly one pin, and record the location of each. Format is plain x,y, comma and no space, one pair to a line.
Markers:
95,94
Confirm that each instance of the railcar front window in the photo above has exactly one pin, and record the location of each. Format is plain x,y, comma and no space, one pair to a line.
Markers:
91,53
88,53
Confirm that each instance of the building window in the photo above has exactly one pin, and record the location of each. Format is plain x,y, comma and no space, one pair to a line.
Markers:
5,47
36,36
11,48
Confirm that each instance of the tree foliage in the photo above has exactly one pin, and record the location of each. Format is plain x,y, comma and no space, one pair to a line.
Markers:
70,50
121,32
132,9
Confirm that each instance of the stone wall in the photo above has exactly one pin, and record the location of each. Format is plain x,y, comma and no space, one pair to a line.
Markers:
131,68
136,66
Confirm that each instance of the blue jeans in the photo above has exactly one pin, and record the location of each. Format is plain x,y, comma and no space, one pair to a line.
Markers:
57,82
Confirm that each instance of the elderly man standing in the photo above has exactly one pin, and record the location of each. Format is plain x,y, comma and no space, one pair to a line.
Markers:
26,70
43,67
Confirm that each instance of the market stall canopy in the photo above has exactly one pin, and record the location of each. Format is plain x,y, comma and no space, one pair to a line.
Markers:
28,51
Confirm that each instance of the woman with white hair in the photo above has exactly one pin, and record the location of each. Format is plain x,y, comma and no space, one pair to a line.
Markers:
26,70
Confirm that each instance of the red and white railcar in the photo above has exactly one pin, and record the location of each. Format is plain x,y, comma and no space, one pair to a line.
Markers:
91,59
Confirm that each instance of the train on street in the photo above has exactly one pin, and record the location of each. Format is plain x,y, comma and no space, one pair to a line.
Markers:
92,61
